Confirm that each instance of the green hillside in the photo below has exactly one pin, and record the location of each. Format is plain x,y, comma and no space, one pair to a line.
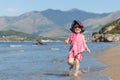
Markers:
11,35
109,33
114,30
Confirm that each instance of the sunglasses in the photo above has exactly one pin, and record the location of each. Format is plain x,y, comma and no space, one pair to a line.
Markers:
76,27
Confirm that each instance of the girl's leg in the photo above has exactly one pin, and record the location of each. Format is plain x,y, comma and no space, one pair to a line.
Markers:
71,63
77,66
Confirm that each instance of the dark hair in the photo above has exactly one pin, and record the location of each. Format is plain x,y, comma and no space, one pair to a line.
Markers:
80,25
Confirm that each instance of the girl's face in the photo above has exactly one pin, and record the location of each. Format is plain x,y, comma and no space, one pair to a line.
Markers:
77,29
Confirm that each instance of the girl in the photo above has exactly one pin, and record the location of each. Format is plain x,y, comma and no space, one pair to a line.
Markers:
77,46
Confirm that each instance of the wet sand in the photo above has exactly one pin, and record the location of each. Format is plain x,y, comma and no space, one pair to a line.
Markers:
111,58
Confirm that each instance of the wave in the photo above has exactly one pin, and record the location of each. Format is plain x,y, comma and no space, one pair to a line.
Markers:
15,45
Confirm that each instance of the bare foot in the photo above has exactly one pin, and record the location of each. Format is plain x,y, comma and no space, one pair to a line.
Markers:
76,73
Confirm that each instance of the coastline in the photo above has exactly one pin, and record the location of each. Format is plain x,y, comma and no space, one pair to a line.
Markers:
111,58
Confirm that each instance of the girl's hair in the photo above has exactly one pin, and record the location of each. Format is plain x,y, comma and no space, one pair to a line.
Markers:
80,25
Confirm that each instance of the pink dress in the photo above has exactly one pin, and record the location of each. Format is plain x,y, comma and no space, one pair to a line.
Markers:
77,46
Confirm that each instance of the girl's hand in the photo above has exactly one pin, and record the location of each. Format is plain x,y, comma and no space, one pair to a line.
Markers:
88,50
66,41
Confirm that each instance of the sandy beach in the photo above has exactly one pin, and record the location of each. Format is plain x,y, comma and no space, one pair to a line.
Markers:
111,58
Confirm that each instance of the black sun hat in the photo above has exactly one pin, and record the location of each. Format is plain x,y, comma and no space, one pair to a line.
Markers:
80,25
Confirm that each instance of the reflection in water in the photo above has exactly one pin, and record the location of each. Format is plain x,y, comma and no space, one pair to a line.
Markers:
66,74
56,74
76,78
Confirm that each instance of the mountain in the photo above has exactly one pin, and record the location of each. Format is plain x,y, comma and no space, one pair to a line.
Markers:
55,23
32,22
97,23
63,17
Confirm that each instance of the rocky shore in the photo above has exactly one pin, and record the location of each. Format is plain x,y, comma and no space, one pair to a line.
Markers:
106,38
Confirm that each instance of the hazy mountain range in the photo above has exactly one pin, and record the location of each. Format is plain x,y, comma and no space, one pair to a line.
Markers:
55,23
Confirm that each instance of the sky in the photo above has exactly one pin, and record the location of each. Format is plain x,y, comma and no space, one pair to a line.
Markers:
18,7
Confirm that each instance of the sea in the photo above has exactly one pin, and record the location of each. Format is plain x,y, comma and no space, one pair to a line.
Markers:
28,61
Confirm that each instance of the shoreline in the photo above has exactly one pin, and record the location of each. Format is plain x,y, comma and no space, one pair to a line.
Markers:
111,58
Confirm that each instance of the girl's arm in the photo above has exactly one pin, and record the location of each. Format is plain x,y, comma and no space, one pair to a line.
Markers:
86,47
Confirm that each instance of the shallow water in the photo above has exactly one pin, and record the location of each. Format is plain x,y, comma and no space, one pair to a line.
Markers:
26,61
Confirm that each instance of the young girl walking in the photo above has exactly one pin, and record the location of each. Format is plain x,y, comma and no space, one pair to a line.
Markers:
77,45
